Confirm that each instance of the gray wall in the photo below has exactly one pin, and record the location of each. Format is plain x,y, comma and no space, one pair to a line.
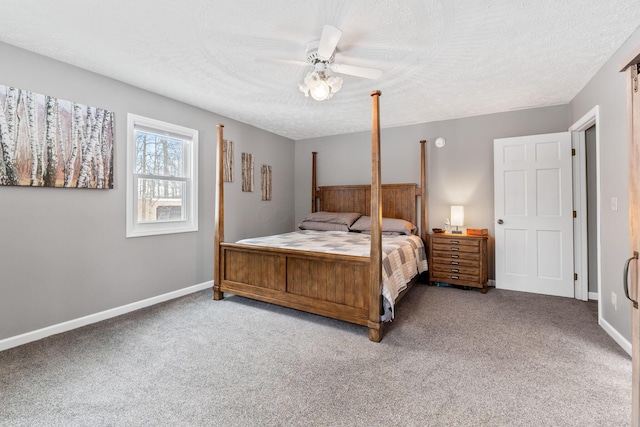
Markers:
608,90
63,252
460,173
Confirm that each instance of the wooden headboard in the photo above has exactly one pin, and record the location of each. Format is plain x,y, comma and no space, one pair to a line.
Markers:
398,200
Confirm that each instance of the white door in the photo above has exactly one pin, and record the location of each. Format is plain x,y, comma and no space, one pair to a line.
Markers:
534,214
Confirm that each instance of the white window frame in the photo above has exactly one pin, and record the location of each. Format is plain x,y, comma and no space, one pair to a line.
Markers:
190,136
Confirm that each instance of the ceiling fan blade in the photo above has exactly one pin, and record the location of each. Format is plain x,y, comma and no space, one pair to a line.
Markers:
283,61
352,70
328,41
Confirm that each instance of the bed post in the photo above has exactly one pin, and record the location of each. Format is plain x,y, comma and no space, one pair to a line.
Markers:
314,188
376,225
219,217
423,192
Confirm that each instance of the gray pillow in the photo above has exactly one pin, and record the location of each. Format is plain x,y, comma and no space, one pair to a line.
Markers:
322,226
389,225
346,218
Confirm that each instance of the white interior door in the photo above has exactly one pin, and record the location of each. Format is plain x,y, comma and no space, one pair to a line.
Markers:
534,214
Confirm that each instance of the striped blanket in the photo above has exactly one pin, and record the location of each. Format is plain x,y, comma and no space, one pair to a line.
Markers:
403,257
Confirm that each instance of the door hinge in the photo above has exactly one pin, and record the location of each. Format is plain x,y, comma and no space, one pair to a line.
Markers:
573,151
575,214
575,276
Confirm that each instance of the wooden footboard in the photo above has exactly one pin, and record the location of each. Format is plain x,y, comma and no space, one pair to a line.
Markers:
330,285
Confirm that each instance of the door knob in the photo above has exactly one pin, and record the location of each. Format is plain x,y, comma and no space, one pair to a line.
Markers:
500,221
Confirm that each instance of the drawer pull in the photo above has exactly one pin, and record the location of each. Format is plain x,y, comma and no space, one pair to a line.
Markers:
454,263
455,270
455,256
455,249
455,242
454,277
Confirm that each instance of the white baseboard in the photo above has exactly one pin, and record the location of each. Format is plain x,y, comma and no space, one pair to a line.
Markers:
28,337
491,282
622,342
593,296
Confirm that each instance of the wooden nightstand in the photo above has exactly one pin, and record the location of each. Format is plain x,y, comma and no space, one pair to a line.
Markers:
458,259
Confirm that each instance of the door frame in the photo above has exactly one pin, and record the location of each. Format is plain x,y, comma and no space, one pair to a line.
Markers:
580,241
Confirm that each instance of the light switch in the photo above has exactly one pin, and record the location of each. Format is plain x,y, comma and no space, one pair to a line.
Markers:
614,204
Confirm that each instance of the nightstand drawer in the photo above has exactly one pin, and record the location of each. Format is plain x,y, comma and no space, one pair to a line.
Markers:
455,248
446,260
456,255
456,269
455,278
456,241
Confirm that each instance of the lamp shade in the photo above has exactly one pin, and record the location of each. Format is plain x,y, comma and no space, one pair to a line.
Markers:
457,216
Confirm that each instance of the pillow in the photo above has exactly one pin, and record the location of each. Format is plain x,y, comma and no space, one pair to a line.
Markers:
389,225
322,226
346,218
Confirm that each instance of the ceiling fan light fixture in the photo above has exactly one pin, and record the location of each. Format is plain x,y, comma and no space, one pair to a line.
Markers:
320,55
319,86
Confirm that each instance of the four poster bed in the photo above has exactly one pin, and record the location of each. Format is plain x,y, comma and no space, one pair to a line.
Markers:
340,285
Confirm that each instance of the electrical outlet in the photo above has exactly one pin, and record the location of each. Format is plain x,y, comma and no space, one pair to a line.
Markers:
614,300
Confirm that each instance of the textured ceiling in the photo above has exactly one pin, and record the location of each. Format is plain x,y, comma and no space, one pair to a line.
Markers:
441,59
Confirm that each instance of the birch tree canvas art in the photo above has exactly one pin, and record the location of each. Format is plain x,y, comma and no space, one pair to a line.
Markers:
50,142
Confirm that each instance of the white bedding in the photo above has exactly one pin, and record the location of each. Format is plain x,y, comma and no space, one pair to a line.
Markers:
403,257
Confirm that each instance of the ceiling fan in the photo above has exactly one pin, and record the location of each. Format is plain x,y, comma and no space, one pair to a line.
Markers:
320,55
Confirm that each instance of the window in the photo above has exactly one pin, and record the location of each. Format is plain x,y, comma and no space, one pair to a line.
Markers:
162,186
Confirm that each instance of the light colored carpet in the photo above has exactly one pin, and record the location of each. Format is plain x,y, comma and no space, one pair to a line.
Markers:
451,358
